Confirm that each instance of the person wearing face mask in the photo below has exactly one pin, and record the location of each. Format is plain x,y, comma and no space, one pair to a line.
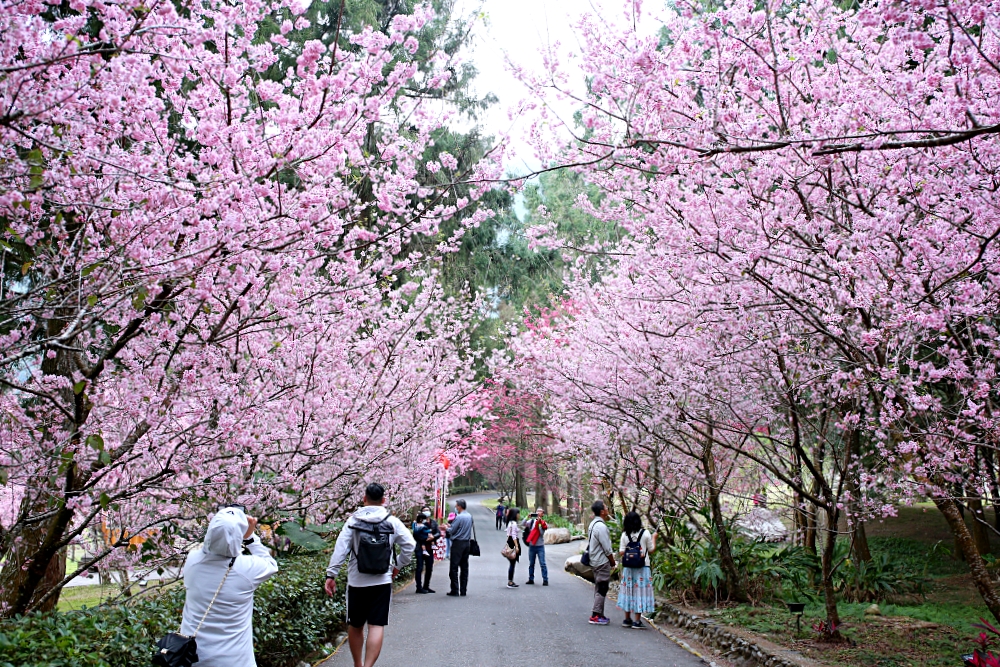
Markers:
220,580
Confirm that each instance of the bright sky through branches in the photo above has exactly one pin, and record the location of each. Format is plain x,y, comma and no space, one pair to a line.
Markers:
519,30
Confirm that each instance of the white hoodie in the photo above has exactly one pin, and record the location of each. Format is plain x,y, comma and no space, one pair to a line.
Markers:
226,637
372,514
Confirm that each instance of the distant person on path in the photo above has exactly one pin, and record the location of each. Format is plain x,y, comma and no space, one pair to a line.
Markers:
225,635
514,542
636,593
368,540
500,514
602,560
534,537
424,534
460,532
441,543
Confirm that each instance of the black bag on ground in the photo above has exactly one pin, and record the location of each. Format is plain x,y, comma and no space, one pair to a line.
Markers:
374,546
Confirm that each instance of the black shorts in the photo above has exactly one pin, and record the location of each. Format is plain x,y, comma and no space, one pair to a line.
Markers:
368,604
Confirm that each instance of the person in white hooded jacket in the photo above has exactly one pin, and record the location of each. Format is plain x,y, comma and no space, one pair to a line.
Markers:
368,595
225,638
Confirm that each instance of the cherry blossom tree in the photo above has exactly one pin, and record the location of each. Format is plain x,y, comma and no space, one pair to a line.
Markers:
812,268
203,290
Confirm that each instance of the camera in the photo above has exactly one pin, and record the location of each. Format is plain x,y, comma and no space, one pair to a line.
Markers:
242,508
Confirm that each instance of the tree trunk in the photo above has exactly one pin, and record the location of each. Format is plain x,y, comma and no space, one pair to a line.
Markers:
980,534
829,595
811,528
555,494
539,488
963,538
572,502
520,490
734,582
860,542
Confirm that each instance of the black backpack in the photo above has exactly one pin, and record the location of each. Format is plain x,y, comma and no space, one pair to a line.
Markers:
527,531
374,546
633,552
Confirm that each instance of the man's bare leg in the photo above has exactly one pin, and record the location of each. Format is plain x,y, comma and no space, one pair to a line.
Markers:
356,640
374,645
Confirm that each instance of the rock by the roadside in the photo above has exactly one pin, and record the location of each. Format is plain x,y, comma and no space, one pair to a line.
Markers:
557,536
873,610
762,524
574,566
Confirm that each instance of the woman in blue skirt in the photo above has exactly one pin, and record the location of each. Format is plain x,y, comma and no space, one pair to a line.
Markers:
635,597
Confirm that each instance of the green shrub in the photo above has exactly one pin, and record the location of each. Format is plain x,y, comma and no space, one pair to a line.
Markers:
292,615
292,619
112,636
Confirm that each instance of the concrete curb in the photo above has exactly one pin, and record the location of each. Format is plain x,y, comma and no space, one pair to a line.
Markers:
744,650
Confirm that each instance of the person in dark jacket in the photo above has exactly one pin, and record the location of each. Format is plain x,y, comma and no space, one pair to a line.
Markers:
425,532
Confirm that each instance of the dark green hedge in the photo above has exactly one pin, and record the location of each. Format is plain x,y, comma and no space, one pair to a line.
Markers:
293,618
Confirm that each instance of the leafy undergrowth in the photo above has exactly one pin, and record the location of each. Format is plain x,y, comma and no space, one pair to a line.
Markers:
933,629
880,641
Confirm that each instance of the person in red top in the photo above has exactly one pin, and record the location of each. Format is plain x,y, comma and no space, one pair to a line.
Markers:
535,526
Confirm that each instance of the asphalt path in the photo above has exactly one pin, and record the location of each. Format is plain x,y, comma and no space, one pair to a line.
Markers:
494,626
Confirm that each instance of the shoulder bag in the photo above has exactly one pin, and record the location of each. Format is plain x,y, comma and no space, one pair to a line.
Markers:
585,557
177,650
474,543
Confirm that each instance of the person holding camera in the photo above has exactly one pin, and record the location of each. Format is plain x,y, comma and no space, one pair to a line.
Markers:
220,581
534,537
366,544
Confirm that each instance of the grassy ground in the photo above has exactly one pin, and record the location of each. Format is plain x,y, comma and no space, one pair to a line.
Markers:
933,631
77,597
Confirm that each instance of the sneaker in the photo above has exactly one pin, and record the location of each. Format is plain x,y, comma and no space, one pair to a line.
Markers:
453,594
511,584
545,583
429,590
462,594
627,623
420,591
530,582
637,625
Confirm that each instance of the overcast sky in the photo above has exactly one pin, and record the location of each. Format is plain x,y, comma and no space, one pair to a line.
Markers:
519,29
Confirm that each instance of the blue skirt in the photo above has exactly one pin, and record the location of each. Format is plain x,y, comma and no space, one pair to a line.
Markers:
636,592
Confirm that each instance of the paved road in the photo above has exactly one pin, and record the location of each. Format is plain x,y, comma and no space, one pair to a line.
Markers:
499,627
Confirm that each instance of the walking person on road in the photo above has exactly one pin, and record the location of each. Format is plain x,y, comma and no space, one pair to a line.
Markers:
513,542
602,560
460,533
635,597
367,544
500,514
534,537
220,582
424,534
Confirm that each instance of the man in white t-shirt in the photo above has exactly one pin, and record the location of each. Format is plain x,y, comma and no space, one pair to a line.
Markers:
369,593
